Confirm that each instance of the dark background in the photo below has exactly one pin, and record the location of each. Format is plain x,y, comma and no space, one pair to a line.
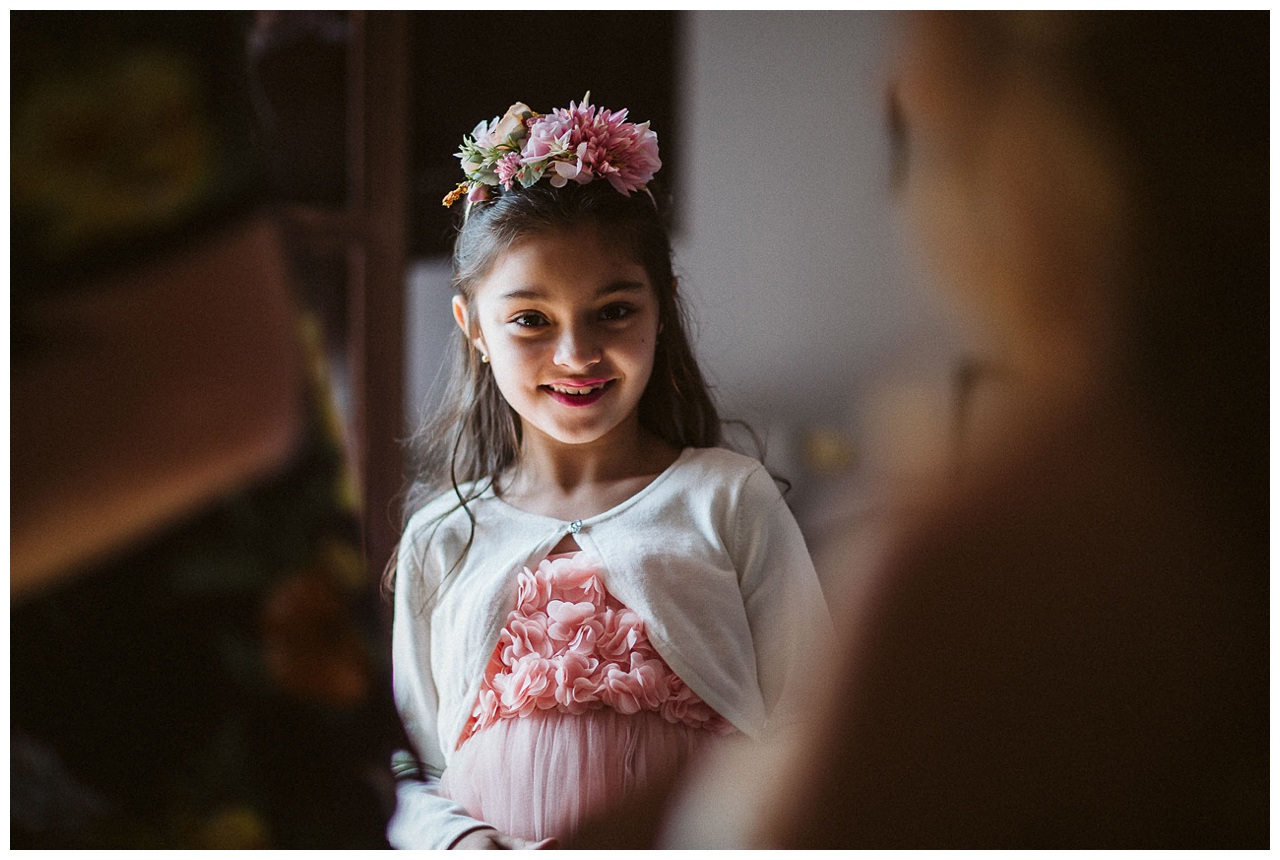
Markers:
469,66
464,67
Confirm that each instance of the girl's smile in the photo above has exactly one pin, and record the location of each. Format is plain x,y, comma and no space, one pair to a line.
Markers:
578,393
569,323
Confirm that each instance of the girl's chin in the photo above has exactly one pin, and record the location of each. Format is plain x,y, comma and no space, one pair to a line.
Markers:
569,433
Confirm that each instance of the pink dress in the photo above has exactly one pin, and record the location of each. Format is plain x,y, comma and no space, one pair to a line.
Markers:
576,709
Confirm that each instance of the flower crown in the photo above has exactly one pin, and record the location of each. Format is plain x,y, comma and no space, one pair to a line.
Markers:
580,143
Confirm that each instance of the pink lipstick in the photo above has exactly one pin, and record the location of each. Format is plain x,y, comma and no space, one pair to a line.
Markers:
577,392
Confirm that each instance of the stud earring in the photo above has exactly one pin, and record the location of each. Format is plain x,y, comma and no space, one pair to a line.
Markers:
484,358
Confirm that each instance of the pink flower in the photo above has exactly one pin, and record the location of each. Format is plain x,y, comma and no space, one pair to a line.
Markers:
524,635
507,167
622,630
635,160
529,687
585,640
532,591
684,706
548,136
566,618
644,686
564,171
562,132
586,143
654,677
574,579
577,682
621,691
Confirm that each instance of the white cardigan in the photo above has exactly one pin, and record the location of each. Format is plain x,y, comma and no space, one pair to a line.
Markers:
708,554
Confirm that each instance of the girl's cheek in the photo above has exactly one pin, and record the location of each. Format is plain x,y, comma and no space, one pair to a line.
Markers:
527,349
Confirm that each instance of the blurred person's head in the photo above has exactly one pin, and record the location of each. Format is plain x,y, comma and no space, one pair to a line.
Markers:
1095,187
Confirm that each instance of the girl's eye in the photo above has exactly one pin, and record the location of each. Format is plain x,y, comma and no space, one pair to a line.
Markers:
612,313
529,319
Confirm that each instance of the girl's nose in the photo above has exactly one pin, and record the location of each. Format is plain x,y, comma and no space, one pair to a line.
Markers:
576,348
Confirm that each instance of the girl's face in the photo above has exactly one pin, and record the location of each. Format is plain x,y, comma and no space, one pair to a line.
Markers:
569,324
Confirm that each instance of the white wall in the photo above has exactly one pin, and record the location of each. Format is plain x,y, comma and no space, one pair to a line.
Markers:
788,248
811,317
428,328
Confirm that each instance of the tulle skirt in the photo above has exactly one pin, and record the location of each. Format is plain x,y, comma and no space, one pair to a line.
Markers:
545,774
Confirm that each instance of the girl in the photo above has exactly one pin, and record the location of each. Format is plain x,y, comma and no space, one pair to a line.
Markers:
598,590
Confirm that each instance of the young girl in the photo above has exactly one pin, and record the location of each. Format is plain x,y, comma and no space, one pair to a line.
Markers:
597,591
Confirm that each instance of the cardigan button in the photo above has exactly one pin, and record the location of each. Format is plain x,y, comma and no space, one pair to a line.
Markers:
575,527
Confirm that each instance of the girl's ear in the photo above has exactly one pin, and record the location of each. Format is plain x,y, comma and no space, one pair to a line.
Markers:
462,316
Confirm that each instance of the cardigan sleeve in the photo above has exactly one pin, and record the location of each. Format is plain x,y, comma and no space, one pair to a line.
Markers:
784,604
423,819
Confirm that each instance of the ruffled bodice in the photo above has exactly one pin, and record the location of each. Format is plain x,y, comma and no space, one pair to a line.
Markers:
571,646
576,710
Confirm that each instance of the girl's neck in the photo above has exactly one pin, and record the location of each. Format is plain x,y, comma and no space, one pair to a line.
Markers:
579,481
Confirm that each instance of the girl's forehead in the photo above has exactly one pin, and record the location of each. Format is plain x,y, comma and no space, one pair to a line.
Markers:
563,262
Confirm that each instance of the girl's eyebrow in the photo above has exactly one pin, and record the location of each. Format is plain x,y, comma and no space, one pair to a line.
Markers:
620,287
531,293
522,294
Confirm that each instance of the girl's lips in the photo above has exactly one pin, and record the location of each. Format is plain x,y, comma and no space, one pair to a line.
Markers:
580,383
567,391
